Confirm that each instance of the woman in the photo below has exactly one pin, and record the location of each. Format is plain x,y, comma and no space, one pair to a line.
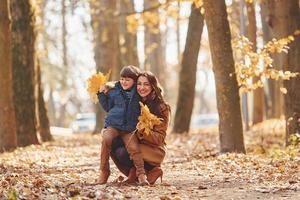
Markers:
153,145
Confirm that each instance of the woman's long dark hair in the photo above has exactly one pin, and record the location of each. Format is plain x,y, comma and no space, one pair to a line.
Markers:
154,84
157,89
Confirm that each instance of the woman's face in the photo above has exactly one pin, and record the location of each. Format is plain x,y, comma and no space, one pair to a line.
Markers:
143,86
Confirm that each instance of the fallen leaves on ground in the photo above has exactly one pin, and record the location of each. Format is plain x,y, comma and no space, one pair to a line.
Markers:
193,169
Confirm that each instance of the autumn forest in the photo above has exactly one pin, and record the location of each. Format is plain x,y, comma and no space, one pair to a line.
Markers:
229,70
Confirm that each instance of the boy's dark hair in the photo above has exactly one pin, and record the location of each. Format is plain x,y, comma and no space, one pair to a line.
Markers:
130,71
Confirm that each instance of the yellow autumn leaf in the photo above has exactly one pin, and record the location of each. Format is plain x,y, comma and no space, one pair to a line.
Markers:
132,23
257,64
147,120
94,83
198,3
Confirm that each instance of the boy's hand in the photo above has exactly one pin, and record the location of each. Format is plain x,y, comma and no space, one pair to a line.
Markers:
103,89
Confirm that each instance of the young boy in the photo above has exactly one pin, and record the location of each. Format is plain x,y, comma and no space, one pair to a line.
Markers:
122,106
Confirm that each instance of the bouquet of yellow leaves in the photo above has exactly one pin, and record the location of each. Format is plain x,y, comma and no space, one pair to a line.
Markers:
147,120
94,83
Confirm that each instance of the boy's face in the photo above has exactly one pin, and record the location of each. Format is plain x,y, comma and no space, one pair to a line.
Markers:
126,83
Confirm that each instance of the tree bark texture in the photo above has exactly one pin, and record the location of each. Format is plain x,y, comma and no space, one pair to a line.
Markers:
275,21
187,76
106,36
43,125
292,99
51,107
106,44
8,137
286,20
23,38
154,51
178,31
269,97
244,96
258,94
228,100
127,40
60,121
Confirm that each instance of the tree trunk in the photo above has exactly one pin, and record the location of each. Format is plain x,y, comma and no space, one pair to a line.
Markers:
127,40
285,20
204,104
228,100
8,135
187,76
51,107
258,94
276,28
178,31
245,109
269,97
106,40
154,52
23,38
64,39
43,126
60,121
292,99
234,18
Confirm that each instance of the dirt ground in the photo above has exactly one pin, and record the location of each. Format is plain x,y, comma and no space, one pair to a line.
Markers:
193,169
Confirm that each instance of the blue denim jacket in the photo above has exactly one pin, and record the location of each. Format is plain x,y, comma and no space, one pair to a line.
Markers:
122,114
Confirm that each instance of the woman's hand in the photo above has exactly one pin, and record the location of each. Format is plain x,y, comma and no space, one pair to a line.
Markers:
140,134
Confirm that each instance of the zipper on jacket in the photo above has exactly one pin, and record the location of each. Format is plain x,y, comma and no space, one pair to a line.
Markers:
126,106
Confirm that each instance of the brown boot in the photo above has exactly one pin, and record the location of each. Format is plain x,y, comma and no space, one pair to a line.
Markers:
103,177
131,176
143,180
154,174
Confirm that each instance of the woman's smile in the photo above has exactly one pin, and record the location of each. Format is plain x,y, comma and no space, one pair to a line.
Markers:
143,86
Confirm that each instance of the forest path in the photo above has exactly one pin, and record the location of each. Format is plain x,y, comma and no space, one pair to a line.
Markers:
68,167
